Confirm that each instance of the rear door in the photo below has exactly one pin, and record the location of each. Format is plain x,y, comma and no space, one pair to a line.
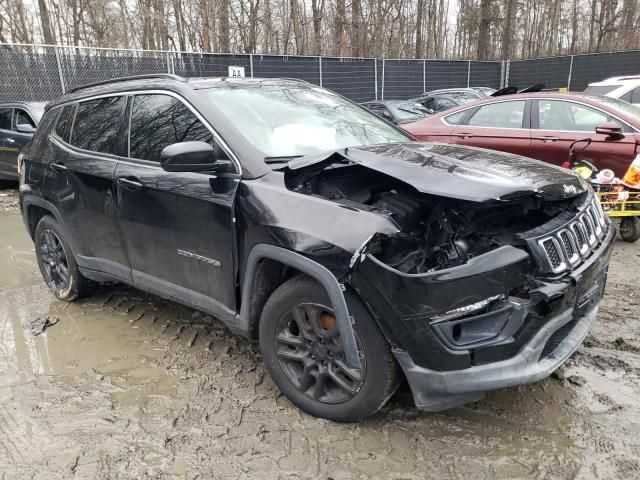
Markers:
177,227
557,123
86,144
8,149
502,126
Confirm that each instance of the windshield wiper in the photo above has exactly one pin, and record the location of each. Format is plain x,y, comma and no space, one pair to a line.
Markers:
284,158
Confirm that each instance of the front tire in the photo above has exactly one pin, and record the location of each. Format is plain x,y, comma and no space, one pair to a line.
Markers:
301,348
57,263
630,229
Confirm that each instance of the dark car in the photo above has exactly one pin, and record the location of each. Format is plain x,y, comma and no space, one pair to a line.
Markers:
475,93
439,102
397,111
18,122
351,252
542,126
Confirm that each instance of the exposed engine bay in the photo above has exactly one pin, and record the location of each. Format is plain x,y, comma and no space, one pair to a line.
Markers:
435,232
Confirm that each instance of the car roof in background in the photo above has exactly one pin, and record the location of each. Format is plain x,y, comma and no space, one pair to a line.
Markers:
611,80
601,101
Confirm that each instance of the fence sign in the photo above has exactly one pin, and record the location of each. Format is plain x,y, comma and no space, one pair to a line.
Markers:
236,71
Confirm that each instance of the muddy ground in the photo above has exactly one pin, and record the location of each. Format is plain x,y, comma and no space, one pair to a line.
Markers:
127,385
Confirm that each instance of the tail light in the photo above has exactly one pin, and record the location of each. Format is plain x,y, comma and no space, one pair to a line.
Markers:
20,163
566,164
632,178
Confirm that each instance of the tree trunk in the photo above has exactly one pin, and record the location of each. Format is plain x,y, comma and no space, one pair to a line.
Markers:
223,39
45,21
339,28
483,31
419,22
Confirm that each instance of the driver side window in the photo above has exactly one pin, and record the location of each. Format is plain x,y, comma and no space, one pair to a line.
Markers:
158,121
569,116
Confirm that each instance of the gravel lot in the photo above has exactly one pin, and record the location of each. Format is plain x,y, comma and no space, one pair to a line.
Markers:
127,385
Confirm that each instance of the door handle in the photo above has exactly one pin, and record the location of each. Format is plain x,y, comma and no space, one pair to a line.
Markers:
547,139
464,135
9,140
129,184
58,167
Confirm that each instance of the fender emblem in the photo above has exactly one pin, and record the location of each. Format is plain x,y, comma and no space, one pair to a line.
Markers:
200,258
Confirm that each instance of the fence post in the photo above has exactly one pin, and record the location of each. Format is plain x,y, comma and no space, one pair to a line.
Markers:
320,69
375,75
506,73
382,90
424,75
57,53
468,73
251,64
570,74
502,74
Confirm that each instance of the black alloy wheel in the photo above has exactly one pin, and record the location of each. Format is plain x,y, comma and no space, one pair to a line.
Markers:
310,353
54,258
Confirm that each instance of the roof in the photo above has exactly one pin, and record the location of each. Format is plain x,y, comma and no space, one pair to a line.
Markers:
622,78
165,81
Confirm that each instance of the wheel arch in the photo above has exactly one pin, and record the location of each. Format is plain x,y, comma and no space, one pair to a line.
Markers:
266,262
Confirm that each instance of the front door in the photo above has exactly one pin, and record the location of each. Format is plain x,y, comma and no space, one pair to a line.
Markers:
177,227
558,123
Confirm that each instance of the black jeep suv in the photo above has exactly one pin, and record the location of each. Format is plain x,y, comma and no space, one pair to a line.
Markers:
303,221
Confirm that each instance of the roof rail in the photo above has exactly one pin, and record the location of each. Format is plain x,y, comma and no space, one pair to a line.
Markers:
125,79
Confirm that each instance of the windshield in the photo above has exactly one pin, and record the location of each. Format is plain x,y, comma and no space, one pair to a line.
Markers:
408,110
463,97
602,89
300,120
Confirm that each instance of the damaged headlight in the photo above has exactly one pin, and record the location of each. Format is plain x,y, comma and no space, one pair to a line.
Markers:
466,310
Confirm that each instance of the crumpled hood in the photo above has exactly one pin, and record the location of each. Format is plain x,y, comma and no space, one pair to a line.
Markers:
453,171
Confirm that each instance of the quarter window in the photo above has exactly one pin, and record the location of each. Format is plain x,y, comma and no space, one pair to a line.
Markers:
5,118
23,117
64,122
97,125
499,115
569,116
456,118
158,121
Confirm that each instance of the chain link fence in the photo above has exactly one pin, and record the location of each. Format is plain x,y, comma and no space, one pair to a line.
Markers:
40,73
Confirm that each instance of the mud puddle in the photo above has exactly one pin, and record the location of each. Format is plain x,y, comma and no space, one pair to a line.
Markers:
127,385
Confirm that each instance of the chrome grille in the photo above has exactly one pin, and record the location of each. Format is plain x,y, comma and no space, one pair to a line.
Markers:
570,245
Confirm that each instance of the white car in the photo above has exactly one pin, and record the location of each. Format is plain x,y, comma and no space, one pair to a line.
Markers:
625,88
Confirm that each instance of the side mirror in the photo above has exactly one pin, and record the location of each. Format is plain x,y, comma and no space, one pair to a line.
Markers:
611,129
25,128
188,157
386,115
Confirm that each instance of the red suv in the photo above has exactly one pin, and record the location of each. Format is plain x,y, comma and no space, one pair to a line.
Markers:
542,126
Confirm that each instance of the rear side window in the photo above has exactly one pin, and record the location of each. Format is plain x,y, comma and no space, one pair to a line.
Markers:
499,115
97,125
456,118
158,121
5,118
64,122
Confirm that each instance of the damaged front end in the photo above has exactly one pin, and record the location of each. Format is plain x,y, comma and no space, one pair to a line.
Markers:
465,285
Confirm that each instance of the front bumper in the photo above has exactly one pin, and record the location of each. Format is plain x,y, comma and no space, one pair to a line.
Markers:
434,391
548,347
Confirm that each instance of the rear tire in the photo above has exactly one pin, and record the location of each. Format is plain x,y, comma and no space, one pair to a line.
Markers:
630,229
57,264
301,349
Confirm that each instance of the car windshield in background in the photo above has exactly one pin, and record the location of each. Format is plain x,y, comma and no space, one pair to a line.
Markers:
463,98
602,89
300,120
408,110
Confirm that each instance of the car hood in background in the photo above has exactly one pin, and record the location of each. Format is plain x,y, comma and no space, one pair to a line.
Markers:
453,171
